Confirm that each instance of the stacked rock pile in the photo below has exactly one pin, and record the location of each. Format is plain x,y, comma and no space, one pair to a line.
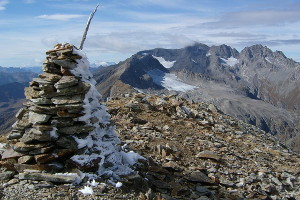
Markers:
63,126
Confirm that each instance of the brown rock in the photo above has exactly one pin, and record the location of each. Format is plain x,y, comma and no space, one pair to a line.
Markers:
66,72
22,167
30,93
68,99
37,118
81,88
22,147
67,142
65,113
51,67
34,135
41,101
65,63
21,113
208,155
199,177
53,78
41,150
59,154
66,81
45,158
10,153
78,129
71,108
172,166
25,159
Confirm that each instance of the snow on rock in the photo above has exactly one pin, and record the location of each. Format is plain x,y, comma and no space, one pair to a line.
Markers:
169,81
268,60
193,61
208,54
163,62
87,190
230,61
119,184
93,183
102,144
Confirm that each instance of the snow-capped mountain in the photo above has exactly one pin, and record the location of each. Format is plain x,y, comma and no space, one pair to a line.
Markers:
256,85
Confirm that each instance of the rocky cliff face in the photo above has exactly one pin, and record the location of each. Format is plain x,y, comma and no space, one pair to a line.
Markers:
257,85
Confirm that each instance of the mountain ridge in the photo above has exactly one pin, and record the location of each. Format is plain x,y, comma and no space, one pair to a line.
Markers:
223,76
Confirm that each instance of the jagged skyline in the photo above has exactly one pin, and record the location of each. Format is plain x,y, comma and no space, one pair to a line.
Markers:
121,28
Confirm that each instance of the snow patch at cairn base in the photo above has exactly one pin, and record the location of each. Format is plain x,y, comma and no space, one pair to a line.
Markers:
64,126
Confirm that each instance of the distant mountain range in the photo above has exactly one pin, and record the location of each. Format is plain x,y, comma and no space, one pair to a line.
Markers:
256,85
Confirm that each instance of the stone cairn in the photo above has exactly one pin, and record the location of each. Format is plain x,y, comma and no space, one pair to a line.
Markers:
63,127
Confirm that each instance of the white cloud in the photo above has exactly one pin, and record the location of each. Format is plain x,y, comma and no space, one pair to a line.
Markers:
255,18
60,17
3,3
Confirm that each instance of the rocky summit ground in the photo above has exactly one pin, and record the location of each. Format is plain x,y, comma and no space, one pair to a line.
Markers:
192,151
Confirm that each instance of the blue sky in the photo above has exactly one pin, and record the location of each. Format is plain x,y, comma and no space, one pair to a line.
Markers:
120,28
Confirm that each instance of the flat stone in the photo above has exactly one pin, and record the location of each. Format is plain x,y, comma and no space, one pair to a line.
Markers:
63,122
70,178
51,67
15,134
41,150
22,124
198,176
50,77
30,93
78,129
208,155
10,153
36,118
33,135
6,175
172,166
22,147
59,154
24,167
43,127
66,81
45,158
68,99
71,108
67,142
66,72
212,108
49,110
41,101
48,91
65,113
203,190
81,88
66,63
41,81
161,184
21,113
25,159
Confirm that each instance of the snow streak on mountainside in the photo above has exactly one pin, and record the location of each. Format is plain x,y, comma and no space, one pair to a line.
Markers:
169,81
166,64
